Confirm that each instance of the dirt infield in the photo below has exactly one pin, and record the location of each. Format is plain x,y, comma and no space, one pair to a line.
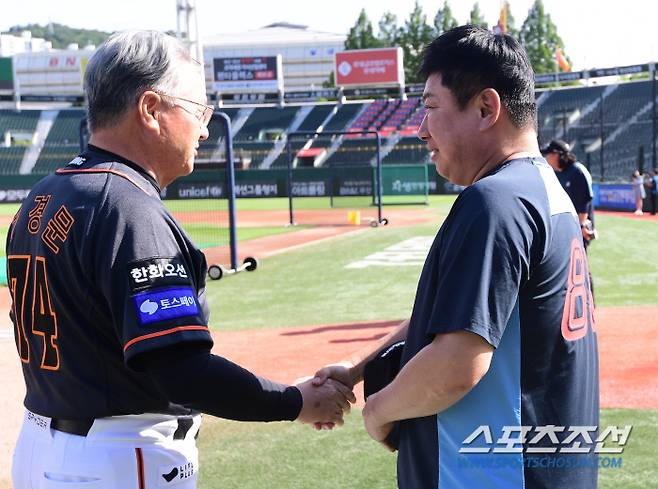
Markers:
313,217
644,217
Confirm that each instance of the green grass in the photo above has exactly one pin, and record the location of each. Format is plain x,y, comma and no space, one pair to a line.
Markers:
623,262
639,469
312,285
290,455
9,209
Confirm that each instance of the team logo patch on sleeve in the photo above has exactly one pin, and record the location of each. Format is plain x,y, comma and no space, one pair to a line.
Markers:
153,306
157,272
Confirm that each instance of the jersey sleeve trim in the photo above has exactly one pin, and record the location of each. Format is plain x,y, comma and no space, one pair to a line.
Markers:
103,170
163,333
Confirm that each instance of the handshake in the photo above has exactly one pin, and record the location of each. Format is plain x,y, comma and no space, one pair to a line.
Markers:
327,397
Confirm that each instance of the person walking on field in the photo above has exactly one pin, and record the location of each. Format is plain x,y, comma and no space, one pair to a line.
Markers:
638,191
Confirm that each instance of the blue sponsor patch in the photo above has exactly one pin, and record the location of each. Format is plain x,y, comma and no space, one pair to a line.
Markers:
171,303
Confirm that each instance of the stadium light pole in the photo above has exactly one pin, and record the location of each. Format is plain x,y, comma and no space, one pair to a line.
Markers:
652,70
565,115
601,136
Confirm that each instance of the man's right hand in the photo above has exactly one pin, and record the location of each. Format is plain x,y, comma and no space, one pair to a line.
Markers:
342,372
324,404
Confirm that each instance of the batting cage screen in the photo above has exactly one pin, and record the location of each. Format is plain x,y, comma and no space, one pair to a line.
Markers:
351,173
405,185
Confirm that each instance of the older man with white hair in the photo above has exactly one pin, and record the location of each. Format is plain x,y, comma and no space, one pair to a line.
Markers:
109,306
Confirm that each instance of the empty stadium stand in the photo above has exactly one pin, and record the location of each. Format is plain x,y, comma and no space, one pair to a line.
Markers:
10,159
612,122
62,143
610,128
408,150
12,122
312,122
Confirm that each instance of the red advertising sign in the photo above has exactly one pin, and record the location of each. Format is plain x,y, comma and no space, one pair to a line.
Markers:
365,67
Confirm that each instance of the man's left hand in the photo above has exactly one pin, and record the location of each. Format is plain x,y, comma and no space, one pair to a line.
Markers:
377,429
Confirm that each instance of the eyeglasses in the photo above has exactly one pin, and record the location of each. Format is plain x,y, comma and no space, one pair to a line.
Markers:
203,113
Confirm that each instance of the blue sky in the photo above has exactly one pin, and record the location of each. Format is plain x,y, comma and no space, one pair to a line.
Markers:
597,33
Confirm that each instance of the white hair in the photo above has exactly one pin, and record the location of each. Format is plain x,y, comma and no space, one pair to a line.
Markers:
125,66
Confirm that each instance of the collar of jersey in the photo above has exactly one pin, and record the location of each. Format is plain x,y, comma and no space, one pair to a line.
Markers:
94,152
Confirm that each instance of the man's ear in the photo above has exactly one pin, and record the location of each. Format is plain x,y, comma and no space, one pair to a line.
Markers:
149,107
489,106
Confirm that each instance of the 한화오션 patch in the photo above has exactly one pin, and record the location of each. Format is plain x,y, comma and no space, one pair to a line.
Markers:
153,306
157,272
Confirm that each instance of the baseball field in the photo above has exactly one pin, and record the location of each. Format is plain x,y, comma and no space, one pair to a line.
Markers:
325,289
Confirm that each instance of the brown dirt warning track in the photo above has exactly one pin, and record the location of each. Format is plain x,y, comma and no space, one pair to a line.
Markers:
628,340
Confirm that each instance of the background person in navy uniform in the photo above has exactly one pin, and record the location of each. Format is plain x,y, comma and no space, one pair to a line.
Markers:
653,191
576,181
109,307
502,329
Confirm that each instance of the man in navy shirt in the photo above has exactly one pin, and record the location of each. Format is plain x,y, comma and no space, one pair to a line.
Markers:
576,181
500,358
653,191
109,303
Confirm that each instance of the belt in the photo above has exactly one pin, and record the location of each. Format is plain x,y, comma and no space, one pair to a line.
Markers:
81,427
78,427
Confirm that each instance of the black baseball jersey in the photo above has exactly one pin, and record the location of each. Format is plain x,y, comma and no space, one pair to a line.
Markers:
508,265
100,273
577,183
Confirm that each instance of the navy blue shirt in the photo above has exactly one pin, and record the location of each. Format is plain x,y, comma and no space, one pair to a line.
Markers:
508,265
577,183
100,274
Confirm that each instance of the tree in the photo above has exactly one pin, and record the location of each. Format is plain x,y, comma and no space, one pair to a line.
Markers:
414,36
389,32
61,35
361,35
444,20
540,39
476,17
329,82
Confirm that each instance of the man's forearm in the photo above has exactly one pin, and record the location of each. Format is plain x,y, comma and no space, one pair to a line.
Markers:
433,380
360,358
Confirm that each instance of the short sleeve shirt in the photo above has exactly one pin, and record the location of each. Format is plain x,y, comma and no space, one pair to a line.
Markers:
102,274
508,265
577,183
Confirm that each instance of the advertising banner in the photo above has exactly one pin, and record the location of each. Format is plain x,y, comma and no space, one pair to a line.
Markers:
369,67
614,197
248,74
